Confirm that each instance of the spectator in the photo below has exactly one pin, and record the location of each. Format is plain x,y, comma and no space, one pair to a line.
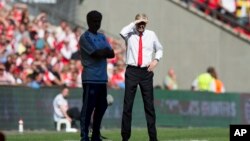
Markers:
66,50
228,8
79,68
117,80
51,80
32,82
62,109
200,4
212,6
22,33
242,12
4,53
170,82
61,31
5,77
55,70
219,86
204,81
25,17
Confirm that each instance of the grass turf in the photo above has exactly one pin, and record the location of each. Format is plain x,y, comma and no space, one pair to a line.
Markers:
138,134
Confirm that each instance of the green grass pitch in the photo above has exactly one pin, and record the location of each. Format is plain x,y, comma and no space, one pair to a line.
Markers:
138,134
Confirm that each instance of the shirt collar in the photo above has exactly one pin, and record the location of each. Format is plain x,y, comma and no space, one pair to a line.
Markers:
137,33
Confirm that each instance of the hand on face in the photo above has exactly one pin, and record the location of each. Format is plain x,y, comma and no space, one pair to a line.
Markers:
141,20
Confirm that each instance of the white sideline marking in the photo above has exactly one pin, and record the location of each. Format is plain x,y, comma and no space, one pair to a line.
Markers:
160,140
78,140
184,140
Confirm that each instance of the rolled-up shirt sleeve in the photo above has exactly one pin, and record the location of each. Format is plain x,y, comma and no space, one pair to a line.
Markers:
127,29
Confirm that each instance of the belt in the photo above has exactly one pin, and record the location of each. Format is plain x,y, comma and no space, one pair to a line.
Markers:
137,67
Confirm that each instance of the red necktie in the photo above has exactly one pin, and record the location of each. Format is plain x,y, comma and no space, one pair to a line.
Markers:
140,51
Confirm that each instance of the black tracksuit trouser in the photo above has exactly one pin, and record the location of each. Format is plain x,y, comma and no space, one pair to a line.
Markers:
94,99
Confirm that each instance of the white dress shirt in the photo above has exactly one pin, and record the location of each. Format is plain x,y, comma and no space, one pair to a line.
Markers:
150,45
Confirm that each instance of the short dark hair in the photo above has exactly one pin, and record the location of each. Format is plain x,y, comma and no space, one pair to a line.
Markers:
93,14
210,69
64,86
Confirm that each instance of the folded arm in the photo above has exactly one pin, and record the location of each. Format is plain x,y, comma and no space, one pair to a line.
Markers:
103,53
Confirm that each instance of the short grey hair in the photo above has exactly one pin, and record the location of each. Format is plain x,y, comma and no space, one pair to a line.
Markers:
141,16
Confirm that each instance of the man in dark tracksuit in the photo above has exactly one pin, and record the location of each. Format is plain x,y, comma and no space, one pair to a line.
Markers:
95,50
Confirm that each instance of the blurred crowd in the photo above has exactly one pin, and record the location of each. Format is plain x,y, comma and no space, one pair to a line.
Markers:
235,13
36,53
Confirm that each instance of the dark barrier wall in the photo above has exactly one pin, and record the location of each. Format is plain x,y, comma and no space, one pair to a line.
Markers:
173,108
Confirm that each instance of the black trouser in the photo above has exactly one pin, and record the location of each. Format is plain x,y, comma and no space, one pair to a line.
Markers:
94,97
74,114
135,76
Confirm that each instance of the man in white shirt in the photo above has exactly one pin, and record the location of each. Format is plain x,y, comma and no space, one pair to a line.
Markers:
62,110
143,54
